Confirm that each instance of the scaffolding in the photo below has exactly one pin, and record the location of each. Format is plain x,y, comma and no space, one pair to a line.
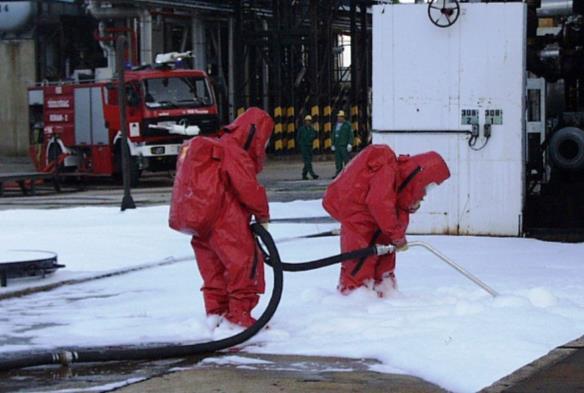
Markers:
292,65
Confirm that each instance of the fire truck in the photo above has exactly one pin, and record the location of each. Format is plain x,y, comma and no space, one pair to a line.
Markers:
75,126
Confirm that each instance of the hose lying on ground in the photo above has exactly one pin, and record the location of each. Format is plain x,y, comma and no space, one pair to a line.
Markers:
119,353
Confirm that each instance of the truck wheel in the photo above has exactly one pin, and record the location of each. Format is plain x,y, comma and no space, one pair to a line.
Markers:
566,149
135,171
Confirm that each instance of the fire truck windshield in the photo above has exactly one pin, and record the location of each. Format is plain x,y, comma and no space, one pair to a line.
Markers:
176,92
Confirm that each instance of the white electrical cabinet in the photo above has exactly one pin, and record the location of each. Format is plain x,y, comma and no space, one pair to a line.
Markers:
433,87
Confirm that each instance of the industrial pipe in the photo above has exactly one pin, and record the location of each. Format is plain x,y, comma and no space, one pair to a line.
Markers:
146,52
94,8
551,8
108,49
103,13
550,53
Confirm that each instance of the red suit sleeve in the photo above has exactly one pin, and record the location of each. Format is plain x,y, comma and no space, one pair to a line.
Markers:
241,174
382,203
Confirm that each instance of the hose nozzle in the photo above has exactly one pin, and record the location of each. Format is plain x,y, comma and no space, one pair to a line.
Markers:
383,249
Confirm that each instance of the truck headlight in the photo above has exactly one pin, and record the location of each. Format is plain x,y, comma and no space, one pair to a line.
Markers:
157,150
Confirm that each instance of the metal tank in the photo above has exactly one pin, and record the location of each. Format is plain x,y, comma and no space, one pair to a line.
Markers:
15,16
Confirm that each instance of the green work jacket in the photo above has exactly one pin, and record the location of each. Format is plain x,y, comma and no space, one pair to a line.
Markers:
342,136
306,135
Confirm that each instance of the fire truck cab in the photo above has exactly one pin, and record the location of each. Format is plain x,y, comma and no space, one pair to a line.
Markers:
75,126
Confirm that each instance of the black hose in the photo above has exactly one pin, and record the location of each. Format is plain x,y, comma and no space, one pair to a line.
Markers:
119,353
328,261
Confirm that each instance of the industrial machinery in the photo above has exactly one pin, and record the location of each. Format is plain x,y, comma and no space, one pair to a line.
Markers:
75,126
555,115
498,89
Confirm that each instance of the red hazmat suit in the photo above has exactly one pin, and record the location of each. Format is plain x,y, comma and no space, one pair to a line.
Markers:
229,261
372,199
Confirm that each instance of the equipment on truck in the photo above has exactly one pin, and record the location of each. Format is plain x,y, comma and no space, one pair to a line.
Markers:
75,125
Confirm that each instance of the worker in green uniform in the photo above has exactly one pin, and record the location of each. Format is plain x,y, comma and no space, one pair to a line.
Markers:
306,136
342,140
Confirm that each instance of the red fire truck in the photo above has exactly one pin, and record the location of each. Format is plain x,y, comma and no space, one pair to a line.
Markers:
76,126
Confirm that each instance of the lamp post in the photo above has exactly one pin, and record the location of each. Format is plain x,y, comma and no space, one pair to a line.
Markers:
121,45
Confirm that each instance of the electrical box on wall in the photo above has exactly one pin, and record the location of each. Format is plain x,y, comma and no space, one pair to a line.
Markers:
469,116
459,91
494,116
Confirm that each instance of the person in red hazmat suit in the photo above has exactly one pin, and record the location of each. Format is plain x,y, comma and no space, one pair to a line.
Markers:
229,261
373,199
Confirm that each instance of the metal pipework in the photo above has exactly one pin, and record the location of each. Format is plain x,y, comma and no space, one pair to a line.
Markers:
107,11
468,275
549,53
550,8
108,49
103,12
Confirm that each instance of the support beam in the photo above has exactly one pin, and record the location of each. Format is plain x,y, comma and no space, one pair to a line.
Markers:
146,55
199,43
265,74
276,78
231,71
366,50
313,67
356,52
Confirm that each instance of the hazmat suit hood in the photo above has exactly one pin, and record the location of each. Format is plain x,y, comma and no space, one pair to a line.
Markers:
252,131
418,172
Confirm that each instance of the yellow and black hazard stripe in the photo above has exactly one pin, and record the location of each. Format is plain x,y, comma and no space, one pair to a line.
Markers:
328,126
355,125
315,113
278,129
290,129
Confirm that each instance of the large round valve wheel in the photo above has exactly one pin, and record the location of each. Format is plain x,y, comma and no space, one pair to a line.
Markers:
443,13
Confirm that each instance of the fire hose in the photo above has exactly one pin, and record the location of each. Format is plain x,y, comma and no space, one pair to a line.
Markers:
299,267
125,353
272,257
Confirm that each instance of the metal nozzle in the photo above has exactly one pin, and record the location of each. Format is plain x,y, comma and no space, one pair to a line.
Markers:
383,249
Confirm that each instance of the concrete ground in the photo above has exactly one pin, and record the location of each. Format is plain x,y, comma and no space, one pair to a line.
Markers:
562,370
291,374
282,178
251,373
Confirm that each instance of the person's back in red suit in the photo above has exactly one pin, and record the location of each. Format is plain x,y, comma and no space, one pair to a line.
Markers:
230,263
372,199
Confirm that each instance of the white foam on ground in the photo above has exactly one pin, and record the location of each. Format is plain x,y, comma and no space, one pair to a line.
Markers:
439,326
